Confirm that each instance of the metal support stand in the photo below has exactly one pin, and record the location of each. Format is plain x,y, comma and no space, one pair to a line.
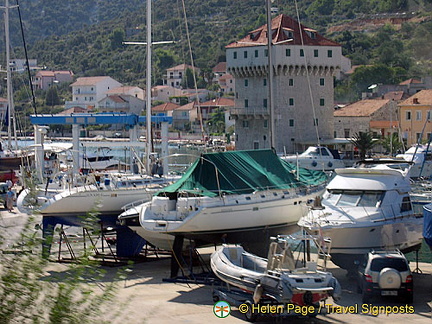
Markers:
417,269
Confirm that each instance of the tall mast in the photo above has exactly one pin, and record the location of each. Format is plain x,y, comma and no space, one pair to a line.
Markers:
148,87
270,75
11,108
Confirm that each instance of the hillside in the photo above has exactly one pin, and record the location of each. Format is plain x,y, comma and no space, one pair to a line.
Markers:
87,36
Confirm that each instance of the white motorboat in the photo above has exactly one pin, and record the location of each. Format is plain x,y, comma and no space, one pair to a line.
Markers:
421,156
276,278
232,197
364,208
317,158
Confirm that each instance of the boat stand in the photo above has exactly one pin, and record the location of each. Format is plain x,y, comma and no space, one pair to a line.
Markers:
417,269
64,239
186,263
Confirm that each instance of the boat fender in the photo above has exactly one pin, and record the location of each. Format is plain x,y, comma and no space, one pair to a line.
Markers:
314,163
330,164
259,289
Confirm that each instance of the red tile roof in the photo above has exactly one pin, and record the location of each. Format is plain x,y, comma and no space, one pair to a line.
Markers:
423,97
221,102
362,108
220,67
410,81
168,106
282,25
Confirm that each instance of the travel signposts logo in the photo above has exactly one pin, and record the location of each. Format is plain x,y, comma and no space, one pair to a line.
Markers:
221,309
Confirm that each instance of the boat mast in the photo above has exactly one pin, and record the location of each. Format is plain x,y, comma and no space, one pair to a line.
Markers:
148,87
270,75
11,109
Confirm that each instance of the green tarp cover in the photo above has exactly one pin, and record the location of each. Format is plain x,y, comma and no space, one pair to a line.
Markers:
242,172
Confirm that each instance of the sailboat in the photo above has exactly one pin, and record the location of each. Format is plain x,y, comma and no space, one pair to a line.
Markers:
10,157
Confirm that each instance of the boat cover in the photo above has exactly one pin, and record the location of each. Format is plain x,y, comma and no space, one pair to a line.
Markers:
242,172
427,225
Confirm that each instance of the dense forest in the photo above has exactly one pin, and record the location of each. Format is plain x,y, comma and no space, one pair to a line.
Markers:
391,38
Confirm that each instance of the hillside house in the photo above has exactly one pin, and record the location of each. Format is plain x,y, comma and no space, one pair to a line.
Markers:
45,79
378,116
175,75
88,91
414,117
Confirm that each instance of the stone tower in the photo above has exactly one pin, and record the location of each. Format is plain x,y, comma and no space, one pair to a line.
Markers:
304,65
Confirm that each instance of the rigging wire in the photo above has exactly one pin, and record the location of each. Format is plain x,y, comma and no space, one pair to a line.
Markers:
27,60
193,71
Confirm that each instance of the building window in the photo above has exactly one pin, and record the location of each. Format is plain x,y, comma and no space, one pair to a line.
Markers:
235,55
245,124
265,123
256,53
291,122
288,52
418,115
316,122
429,115
266,52
408,115
291,82
246,82
322,81
265,103
236,95
316,53
245,54
246,103
418,137
329,53
322,102
302,52
265,82
291,101
347,132
256,145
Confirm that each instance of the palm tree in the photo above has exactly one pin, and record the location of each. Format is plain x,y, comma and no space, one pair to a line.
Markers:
391,143
364,142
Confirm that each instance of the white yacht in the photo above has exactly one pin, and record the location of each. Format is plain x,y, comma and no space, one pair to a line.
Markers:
231,197
367,207
317,158
104,193
421,156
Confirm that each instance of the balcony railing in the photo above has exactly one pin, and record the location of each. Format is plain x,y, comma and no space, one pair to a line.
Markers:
262,111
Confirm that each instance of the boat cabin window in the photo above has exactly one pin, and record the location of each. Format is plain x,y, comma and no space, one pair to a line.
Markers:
315,151
352,198
406,204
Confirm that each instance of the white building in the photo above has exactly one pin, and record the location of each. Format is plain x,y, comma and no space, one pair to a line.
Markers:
176,74
304,65
87,91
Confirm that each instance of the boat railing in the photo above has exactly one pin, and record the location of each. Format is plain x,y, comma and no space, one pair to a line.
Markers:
134,204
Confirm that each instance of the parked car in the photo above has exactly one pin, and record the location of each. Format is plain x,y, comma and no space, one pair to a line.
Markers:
385,273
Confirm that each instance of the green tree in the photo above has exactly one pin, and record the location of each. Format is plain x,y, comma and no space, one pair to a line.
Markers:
391,143
52,98
364,142
116,38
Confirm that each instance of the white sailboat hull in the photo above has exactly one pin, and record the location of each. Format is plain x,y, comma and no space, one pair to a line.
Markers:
234,218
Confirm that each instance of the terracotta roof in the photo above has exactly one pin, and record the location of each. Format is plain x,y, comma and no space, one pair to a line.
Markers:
220,67
46,73
410,81
362,108
221,102
118,99
3,99
282,26
423,97
182,67
394,95
84,81
188,106
168,106
383,124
